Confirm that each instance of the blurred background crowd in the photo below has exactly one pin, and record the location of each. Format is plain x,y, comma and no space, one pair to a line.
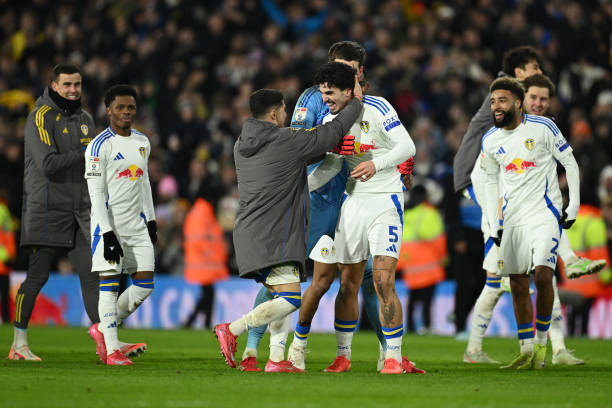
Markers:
195,63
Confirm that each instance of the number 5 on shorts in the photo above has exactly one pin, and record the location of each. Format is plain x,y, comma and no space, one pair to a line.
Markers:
393,233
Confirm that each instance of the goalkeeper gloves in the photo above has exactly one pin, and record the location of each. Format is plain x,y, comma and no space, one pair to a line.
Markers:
406,167
112,250
152,227
346,147
565,223
498,237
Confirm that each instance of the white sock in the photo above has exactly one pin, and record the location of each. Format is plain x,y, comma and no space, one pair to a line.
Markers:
344,340
565,250
264,313
20,337
394,349
107,309
279,329
249,352
381,351
129,301
483,312
526,345
555,331
302,343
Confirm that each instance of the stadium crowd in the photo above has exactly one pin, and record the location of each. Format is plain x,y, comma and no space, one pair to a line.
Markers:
196,63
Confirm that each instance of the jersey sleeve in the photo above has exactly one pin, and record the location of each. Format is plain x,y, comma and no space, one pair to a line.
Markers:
389,124
147,195
307,109
95,173
491,188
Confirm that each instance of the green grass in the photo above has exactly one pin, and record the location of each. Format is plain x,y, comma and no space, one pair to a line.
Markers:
185,369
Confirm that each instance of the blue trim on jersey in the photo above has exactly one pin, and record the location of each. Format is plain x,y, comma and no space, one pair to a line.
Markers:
138,132
398,207
307,96
489,132
380,105
144,217
544,121
565,146
501,221
98,141
488,245
96,239
470,191
549,203
344,197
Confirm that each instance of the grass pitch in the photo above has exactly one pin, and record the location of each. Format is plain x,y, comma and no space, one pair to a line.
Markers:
185,369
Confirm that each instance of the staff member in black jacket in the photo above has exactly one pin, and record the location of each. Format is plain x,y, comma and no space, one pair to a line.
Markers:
55,212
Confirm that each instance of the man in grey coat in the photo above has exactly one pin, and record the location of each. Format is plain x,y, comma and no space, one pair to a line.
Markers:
55,212
272,223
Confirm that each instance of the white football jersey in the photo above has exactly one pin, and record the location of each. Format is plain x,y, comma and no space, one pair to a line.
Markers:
525,156
117,166
380,137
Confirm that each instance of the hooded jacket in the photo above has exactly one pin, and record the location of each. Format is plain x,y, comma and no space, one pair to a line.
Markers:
55,196
272,221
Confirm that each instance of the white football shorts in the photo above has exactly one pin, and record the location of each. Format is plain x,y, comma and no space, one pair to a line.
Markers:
369,224
527,246
282,274
138,255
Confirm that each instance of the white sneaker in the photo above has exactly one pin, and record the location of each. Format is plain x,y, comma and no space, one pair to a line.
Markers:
22,353
475,357
565,357
297,356
583,266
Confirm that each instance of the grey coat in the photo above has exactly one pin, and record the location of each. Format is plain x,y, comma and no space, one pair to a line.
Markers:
55,196
272,221
466,156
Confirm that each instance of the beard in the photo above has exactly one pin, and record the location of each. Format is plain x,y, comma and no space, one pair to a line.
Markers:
506,120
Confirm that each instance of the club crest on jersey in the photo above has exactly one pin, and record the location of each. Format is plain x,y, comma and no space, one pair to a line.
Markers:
142,151
84,129
519,166
529,143
300,114
365,125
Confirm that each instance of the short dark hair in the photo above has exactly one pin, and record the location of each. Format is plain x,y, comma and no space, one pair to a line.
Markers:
519,57
347,50
65,68
336,74
264,100
509,84
119,90
541,81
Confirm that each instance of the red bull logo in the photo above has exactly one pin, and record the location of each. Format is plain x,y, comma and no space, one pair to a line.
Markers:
133,173
519,166
361,148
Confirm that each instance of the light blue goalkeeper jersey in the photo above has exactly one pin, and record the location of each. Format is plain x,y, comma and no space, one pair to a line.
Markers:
325,202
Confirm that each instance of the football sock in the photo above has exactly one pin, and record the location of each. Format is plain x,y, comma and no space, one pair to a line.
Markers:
107,309
344,336
263,314
565,250
556,324
393,335
279,329
133,297
370,302
525,335
300,336
20,337
256,333
542,325
483,312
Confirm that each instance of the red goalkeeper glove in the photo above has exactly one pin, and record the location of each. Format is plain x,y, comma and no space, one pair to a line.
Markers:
346,147
406,167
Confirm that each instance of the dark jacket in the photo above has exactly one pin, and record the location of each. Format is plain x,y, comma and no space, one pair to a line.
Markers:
55,196
466,156
272,221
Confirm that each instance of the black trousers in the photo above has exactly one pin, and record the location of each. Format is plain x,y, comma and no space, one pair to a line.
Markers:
39,264
4,297
423,295
204,305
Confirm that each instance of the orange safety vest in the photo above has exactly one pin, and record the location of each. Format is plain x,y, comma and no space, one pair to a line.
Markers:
589,286
205,246
423,251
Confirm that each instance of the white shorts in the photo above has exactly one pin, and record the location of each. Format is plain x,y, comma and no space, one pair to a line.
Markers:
138,255
476,193
282,274
369,224
527,246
